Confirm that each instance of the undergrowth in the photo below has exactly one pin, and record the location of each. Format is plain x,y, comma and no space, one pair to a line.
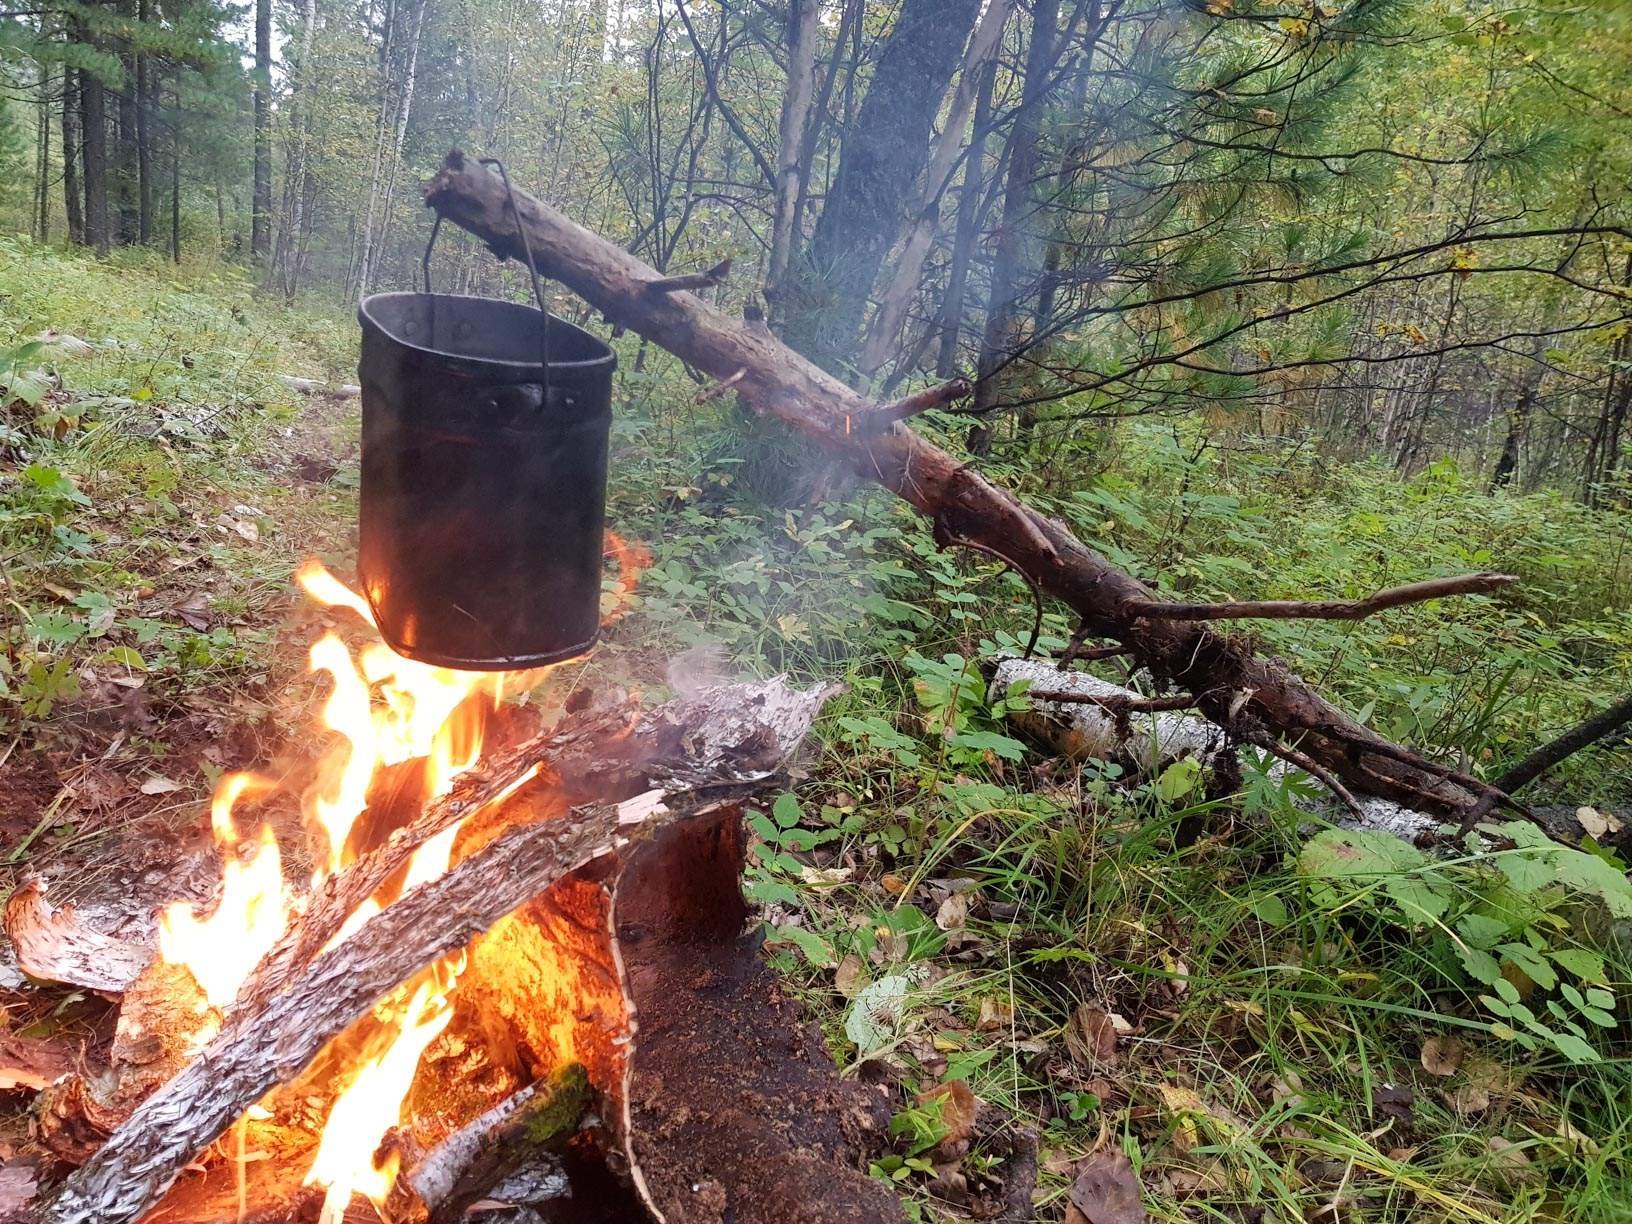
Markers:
1272,1021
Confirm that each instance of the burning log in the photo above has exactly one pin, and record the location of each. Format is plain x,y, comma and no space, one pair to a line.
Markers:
1235,687
523,841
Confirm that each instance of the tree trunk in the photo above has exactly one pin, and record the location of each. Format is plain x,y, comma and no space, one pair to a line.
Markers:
404,105
73,192
790,168
260,225
1015,256
175,177
968,228
126,188
884,153
292,221
93,116
901,284
42,182
1518,422
144,135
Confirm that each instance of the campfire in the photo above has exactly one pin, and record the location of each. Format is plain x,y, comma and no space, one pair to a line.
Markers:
414,992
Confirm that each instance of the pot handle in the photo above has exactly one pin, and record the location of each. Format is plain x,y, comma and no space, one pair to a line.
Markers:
526,249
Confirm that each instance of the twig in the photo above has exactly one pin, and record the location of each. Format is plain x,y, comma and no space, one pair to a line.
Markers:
720,388
1313,768
1298,609
691,280
947,538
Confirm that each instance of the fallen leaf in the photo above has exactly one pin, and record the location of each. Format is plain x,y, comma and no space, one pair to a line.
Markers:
1508,1160
194,612
893,884
247,529
1596,824
994,1014
1441,1056
848,976
1090,1036
1468,1098
1394,1101
1106,1192
159,785
958,1110
953,912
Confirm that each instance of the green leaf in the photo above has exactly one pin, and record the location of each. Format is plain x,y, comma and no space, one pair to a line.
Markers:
990,741
786,810
53,483
1179,780
1348,862
1481,931
1588,966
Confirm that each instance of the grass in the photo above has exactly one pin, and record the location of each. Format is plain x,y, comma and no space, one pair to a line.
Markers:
1110,961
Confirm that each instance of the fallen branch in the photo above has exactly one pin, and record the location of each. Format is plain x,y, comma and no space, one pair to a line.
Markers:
779,383
1330,609
1583,735
260,1048
1117,703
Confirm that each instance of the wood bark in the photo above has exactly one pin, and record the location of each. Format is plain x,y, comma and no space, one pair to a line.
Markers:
1234,686
966,230
144,134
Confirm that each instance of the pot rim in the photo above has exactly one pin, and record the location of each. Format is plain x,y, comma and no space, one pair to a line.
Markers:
588,364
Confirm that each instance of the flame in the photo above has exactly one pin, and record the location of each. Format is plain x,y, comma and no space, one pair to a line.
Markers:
387,712
632,559
372,1103
220,951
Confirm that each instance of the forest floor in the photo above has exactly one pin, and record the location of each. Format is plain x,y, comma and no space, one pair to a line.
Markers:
1109,962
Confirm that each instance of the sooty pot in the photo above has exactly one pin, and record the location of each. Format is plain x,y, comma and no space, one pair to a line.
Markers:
483,480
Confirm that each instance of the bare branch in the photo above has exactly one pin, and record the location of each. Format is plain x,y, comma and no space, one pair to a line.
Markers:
1297,609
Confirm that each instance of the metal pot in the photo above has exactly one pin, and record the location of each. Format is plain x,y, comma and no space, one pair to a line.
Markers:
483,480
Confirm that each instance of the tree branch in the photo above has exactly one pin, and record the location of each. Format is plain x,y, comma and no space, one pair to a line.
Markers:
1336,609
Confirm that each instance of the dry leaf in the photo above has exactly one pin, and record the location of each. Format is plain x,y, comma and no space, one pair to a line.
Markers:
847,978
1441,1056
1394,1101
1090,1036
953,912
995,1014
194,612
1469,1098
1508,1160
159,785
958,1110
1106,1192
1596,824
893,884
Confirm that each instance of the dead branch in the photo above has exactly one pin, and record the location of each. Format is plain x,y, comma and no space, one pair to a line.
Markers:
1335,609
689,281
920,402
780,383
1583,735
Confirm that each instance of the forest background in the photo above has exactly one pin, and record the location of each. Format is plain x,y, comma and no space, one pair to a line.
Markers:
1265,299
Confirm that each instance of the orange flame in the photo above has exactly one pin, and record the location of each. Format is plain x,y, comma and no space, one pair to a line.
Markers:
372,1103
632,559
220,951
387,711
